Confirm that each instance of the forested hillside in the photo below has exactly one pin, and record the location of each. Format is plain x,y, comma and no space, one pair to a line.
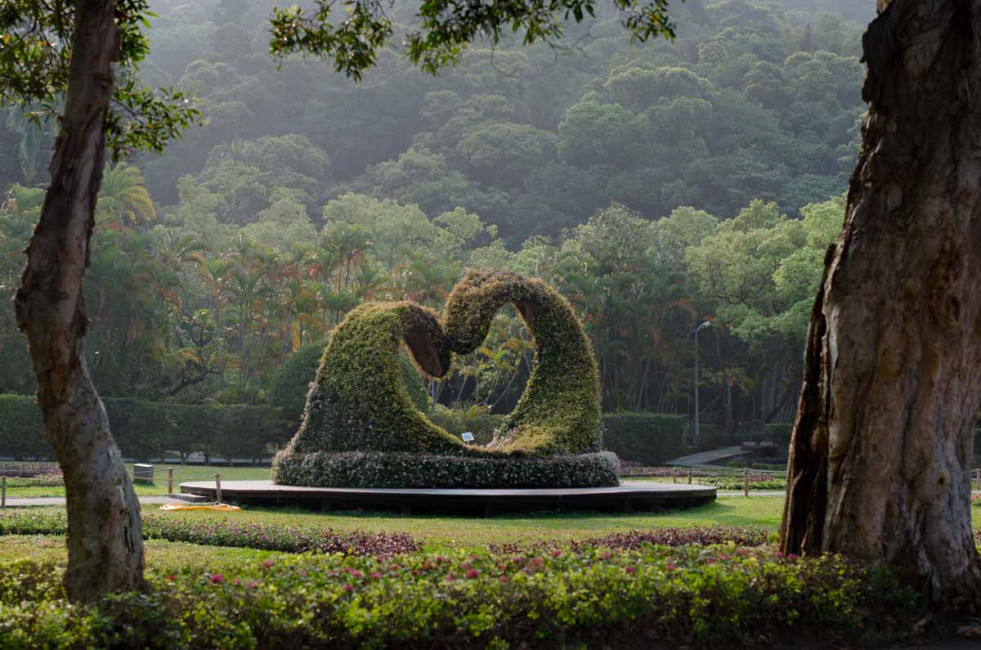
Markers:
656,185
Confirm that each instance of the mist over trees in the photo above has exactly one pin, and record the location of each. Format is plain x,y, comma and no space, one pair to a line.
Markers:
657,185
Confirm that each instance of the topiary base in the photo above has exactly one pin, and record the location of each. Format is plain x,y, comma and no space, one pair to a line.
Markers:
409,470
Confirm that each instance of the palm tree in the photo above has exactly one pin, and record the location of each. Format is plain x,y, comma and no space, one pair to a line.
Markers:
123,198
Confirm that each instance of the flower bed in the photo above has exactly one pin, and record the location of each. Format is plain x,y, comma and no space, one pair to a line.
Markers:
655,597
29,470
222,532
636,539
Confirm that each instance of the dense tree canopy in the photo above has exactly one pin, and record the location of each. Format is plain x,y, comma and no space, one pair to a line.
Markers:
655,184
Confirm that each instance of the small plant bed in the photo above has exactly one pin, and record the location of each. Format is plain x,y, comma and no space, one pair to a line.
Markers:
721,479
748,463
228,532
655,596
635,539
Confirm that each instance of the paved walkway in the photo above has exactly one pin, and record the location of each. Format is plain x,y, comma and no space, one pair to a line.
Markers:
60,501
707,457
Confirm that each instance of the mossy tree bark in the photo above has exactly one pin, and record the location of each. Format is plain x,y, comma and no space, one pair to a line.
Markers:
882,446
105,547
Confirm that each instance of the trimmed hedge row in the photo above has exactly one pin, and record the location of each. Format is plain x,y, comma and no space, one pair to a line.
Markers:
721,596
408,470
145,430
647,438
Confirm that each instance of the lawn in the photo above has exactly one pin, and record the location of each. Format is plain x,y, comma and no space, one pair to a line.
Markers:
763,512
462,532
182,474
160,555
439,534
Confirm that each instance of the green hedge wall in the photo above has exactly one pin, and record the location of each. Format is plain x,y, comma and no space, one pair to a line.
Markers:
20,428
648,438
145,430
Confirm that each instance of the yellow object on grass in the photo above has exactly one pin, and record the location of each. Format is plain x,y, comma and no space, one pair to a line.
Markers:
220,507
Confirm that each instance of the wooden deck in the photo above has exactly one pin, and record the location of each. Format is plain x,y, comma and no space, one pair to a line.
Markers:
627,497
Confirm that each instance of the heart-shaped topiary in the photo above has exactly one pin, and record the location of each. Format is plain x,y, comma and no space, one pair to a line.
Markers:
361,429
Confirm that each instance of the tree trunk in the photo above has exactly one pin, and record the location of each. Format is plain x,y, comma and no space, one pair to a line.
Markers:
882,446
105,546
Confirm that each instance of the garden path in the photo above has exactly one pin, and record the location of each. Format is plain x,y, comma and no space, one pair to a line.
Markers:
14,502
707,457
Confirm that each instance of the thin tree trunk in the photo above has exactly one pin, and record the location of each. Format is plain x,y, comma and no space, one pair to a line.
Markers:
882,446
105,547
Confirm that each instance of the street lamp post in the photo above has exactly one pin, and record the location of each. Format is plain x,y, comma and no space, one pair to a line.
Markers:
698,433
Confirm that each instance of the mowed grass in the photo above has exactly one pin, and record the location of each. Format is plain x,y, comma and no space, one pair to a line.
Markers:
160,555
444,532
182,474
447,531
436,532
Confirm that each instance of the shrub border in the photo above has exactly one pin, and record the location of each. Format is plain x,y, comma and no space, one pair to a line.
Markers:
408,470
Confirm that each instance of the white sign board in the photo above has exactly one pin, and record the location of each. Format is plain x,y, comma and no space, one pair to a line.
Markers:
467,436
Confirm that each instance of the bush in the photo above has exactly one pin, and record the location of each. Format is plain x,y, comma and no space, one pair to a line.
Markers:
719,596
647,438
289,389
146,430
395,470
779,432
478,420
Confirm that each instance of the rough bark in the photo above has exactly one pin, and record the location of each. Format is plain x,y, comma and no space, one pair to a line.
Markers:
882,446
105,547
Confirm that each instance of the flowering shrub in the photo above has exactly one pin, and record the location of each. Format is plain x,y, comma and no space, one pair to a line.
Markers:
721,595
402,470
223,532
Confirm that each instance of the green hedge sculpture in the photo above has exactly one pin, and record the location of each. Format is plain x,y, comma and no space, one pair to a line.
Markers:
289,390
559,412
360,402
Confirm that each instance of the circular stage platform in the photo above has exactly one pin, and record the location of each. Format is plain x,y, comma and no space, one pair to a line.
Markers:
627,497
